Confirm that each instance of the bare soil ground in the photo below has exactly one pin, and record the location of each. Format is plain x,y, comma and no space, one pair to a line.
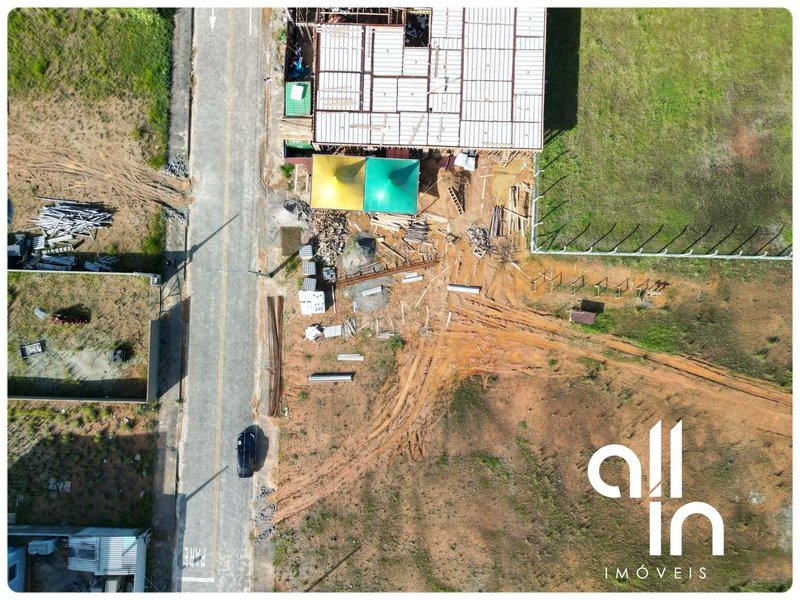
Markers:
71,149
77,361
106,452
430,493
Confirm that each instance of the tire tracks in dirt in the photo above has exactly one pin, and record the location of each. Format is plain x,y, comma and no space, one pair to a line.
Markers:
489,338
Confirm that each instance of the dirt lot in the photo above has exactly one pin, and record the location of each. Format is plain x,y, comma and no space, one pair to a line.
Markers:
410,479
106,452
77,361
76,150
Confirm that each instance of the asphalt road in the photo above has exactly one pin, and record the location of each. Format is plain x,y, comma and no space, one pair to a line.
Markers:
214,506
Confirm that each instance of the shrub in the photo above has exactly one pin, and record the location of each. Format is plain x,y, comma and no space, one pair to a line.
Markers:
287,170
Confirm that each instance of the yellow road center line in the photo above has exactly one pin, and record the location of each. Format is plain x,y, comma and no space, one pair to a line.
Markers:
221,351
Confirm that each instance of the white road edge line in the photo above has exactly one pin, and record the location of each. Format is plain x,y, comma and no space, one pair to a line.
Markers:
198,579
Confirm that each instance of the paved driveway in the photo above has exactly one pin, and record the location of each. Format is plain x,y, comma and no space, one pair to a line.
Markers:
213,550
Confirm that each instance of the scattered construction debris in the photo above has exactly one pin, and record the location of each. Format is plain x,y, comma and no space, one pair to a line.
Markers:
348,329
359,253
496,226
478,238
350,357
331,231
67,262
464,289
31,349
466,160
313,332
103,263
299,209
372,291
332,331
390,221
330,377
417,232
66,218
392,251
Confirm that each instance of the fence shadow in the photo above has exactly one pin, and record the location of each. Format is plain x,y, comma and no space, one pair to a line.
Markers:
561,70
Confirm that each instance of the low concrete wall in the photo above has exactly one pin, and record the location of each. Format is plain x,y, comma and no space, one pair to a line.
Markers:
152,360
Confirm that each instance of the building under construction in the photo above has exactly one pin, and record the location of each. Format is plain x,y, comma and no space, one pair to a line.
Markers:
440,78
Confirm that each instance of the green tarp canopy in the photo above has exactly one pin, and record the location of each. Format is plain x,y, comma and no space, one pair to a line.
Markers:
391,185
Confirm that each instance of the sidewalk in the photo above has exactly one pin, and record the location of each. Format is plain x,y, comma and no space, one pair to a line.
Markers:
181,92
174,314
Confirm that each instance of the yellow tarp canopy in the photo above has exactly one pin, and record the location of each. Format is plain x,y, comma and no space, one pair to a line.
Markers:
337,182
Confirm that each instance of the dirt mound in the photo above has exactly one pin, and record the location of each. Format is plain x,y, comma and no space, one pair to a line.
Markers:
359,251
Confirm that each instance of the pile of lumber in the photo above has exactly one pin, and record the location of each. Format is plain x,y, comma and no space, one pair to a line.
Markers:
392,222
417,232
348,329
496,226
514,221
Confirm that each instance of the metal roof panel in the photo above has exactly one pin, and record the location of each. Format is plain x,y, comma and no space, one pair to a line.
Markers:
415,62
413,129
412,94
387,51
384,94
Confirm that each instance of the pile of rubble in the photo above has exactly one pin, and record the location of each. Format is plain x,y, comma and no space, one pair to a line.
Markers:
301,210
478,238
67,219
177,167
331,231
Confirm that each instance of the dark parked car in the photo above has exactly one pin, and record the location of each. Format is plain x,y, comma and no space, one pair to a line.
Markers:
246,453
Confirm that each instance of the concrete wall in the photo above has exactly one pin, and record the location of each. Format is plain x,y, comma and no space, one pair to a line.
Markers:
152,360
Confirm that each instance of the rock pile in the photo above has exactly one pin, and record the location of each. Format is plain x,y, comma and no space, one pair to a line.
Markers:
478,238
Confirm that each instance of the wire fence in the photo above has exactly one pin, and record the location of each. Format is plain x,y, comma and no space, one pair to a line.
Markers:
701,246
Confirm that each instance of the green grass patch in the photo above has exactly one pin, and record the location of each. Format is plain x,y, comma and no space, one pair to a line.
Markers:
287,170
690,133
697,329
396,342
97,53
468,397
153,245
292,264
424,564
